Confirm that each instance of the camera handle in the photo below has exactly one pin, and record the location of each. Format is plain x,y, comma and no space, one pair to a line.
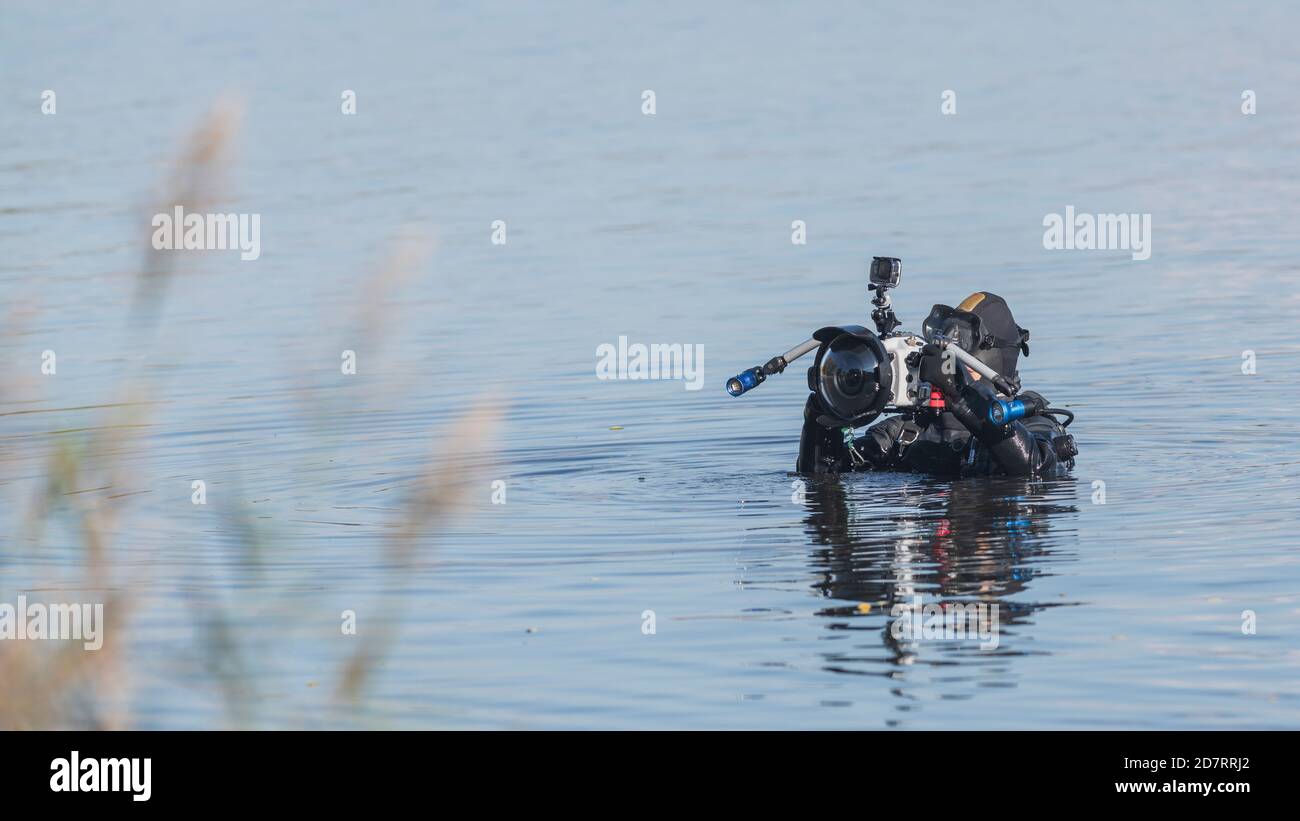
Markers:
1008,387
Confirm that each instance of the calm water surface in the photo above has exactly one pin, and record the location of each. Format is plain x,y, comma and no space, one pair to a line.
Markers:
625,497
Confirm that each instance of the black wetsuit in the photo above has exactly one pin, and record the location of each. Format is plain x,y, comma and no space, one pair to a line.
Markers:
937,442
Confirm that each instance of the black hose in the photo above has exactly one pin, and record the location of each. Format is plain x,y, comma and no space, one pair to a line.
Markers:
1059,412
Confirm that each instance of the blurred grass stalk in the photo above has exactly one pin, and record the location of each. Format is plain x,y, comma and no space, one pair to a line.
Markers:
440,494
62,685
54,685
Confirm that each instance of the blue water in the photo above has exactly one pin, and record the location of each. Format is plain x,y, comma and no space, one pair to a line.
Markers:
628,496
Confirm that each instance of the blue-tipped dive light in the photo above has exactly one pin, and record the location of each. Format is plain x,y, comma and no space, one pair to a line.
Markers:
753,377
1004,413
745,380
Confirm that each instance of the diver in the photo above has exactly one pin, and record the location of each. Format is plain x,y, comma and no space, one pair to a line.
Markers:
950,433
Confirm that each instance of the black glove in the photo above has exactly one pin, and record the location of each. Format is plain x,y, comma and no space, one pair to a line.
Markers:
931,369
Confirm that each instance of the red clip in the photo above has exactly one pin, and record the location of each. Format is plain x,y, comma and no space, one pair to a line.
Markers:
936,399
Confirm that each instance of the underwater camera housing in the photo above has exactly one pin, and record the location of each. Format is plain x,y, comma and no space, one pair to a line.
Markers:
859,375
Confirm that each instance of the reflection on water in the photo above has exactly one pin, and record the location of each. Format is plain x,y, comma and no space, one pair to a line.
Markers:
959,542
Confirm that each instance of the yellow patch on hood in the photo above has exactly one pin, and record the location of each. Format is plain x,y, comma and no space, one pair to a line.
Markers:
969,303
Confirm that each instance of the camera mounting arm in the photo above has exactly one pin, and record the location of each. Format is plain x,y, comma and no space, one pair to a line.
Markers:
883,315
